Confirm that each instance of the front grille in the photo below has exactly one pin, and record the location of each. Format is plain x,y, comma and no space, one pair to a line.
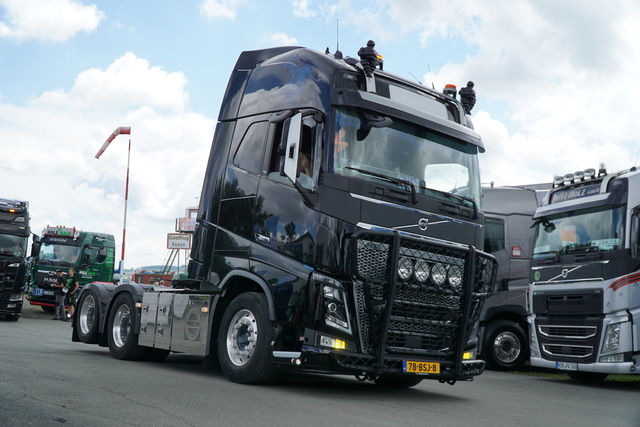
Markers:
578,332
574,351
411,316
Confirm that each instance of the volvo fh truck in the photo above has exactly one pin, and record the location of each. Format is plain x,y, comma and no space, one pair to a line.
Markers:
585,276
14,234
338,232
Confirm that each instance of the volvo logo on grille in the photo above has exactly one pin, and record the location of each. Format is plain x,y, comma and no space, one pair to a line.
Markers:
423,224
565,273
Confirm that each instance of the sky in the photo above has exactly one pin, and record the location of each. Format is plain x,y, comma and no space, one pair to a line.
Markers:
556,84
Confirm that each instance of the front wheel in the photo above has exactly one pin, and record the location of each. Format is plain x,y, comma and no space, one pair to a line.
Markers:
87,318
505,346
123,341
12,317
244,340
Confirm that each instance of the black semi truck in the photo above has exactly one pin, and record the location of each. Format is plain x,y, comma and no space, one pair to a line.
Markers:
337,232
14,234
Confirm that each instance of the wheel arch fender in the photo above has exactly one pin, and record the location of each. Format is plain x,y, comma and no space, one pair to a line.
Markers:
235,283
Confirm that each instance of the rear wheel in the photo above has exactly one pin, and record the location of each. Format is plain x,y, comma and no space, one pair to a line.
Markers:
123,341
505,346
12,317
47,309
398,382
87,318
244,340
588,377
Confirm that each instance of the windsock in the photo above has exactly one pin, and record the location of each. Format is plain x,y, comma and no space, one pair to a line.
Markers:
119,131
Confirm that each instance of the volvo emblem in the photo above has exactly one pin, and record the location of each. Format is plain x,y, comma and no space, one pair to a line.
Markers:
565,273
423,224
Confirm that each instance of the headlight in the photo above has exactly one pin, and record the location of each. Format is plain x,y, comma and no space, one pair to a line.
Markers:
334,302
455,276
405,268
421,271
15,297
611,338
438,274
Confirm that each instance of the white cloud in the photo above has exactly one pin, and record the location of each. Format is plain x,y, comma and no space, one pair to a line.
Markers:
68,186
560,79
51,21
301,9
221,9
280,39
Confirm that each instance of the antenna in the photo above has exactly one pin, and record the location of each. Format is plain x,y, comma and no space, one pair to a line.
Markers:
431,77
337,35
415,77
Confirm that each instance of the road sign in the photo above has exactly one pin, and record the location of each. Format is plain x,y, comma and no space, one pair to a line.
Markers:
178,241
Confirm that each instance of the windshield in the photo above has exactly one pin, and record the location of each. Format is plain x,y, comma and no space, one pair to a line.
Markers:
406,152
54,252
586,230
12,245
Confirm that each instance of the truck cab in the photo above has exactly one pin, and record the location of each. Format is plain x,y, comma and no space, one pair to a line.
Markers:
584,299
338,231
503,336
14,234
90,254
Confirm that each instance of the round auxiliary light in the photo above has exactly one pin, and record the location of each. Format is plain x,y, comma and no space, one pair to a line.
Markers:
421,271
405,268
438,274
589,173
568,179
558,180
455,276
578,176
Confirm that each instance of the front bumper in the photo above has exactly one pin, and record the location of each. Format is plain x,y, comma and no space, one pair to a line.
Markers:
322,360
605,368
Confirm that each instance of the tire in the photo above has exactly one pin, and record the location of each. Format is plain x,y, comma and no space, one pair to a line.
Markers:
244,341
48,309
398,382
87,314
12,317
587,377
505,346
121,336
157,355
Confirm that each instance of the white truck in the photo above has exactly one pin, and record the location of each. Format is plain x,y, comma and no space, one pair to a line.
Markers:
584,296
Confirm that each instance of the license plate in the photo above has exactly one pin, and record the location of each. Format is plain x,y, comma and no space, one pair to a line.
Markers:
420,367
565,366
48,292
38,292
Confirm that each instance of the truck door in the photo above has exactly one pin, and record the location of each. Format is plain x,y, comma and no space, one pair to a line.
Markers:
283,222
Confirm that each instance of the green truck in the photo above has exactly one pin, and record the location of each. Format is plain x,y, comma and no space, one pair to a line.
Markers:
90,254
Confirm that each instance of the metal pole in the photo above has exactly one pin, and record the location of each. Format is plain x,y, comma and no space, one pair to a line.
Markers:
120,131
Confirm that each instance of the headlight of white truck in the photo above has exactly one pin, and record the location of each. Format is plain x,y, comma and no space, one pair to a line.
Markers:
611,338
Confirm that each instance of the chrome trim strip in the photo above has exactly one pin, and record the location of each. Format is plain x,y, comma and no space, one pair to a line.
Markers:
408,208
575,337
584,356
287,354
372,227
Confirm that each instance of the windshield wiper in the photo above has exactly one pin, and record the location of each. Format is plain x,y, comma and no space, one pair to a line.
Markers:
579,249
461,199
414,198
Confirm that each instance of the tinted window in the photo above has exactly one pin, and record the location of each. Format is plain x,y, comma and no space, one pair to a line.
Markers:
493,235
249,154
